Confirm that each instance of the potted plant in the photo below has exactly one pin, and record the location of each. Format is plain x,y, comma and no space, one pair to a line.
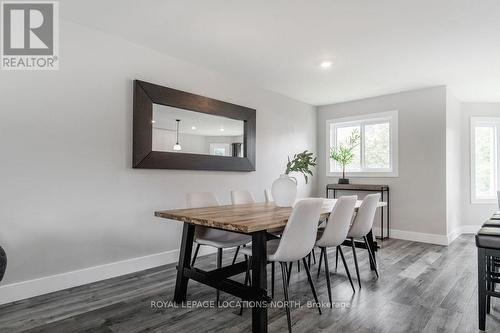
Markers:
284,189
343,153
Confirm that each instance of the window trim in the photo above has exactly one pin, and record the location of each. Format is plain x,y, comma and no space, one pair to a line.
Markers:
392,117
474,121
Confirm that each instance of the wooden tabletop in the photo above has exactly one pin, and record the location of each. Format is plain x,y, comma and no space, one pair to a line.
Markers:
242,218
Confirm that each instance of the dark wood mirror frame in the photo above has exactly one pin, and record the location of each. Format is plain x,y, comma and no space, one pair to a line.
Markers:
146,94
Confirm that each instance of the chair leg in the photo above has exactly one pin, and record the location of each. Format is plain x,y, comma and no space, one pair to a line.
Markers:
219,265
327,272
284,275
272,279
314,256
370,253
309,260
336,258
298,266
289,273
195,254
489,261
247,279
236,254
311,284
346,268
320,259
355,260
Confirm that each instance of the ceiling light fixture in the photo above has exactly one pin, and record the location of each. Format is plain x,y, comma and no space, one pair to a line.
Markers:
177,146
193,127
222,129
326,64
153,121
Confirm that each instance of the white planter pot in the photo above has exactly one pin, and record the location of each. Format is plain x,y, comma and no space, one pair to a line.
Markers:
284,191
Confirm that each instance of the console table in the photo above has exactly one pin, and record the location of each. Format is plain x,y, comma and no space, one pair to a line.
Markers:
366,188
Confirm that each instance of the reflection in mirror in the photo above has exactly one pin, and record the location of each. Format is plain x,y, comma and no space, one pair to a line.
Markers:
183,131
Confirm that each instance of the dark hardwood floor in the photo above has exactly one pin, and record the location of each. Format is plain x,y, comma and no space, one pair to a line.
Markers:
422,288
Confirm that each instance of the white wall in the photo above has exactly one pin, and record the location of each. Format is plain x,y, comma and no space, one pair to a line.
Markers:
473,215
454,181
69,198
418,195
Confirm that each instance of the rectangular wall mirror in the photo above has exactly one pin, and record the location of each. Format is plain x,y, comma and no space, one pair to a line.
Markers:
174,129
183,131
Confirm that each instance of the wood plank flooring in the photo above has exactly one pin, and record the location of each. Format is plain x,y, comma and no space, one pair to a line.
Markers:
422,288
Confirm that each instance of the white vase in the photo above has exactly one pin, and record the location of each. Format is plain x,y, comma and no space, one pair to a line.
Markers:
284,191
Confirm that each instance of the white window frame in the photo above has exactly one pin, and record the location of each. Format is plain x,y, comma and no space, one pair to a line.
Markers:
493,122
362,120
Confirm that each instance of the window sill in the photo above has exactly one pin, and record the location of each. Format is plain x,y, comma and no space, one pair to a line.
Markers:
475,201
392,174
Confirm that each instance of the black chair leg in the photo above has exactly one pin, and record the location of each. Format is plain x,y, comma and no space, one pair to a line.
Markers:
320,259
481,290
311,284
298,266
195,254
355,260
236,254
328,283
247,279
336,258
289,273
314,256
370,253
284,275
219,265
346,268
309,260
272,279
489,261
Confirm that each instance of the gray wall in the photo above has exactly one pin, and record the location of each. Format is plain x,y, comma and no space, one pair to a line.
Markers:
69,198
473,215
454,181
418,195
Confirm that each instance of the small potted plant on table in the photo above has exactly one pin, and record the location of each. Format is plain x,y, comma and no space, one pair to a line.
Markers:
343,153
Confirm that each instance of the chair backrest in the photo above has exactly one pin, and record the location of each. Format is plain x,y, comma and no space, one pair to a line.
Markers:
239,197
339,222
203,199
268,195
300,231
364,218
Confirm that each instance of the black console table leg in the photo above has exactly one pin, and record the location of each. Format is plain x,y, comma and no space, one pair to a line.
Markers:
184,262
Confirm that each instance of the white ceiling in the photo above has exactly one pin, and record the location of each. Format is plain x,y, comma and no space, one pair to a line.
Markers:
207,125
377,47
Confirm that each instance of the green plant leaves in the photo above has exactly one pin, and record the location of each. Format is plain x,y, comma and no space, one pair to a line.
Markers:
301,162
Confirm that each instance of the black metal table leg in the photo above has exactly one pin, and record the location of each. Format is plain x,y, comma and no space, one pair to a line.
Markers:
382,216
370,242
259,279
184,261
481,290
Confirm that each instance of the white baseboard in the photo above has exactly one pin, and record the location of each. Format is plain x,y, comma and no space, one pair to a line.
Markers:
30,288
415,236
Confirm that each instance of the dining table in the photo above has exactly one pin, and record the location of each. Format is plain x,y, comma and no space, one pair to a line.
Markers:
255,220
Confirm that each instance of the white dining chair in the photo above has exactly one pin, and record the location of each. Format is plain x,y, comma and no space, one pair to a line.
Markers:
361,226
297,241
212,237
240,197
268,195
334,234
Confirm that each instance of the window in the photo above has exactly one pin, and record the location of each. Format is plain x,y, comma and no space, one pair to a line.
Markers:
485,133
376,155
